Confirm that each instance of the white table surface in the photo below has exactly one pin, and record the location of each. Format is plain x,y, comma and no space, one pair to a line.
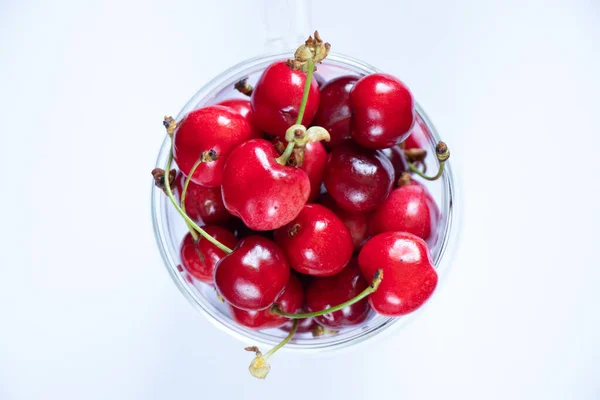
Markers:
88,310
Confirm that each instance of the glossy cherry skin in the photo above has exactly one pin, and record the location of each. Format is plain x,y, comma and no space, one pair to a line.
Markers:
290,301
315,158
411,209
396,156
200,259
409,277
215,128
334,111
254,275
202,204
263,193
243,107
316,242
330,291
357,223
383,111
277,96
358,179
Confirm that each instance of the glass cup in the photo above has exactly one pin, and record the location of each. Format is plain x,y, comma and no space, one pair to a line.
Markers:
170,229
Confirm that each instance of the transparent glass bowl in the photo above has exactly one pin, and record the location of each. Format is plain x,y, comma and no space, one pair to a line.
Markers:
170,228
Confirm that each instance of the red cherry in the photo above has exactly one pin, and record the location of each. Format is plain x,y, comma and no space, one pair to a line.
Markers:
357,223
334,109
358,179
202,204
199,259
290,300
315,157
304,324
214,128
316,242
327,292
396,156
418,136
409,278
411,209
254,275
382,111
263,193
277,96
243,107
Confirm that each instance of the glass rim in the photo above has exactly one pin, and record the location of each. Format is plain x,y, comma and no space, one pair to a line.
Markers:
442,259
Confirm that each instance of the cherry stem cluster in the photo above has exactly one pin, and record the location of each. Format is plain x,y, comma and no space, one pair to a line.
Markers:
370,289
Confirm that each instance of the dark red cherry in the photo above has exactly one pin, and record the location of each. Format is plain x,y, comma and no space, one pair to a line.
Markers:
254,275
304,324
202,204
315,157
396,156
330,291
409,208
409,277
358,179
199,259
263,193
214,128
290,301
383,111
418,136
277,96
243,107
316,242
334,109
357,223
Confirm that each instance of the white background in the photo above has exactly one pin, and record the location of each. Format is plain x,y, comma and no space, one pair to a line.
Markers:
87,309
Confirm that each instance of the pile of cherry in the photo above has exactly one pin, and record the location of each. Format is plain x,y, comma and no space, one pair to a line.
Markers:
302,209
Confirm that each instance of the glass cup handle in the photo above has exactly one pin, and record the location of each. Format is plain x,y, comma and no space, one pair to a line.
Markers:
286,23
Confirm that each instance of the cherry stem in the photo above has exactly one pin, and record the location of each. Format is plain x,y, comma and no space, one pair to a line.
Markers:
283,342
309,74
259,368
289,149
187,219
370,289
442,153
414,169
184,192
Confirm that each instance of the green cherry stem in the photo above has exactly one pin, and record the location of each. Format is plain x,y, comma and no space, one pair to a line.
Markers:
289,149
443,154
259,368
309,74
414,169
370,289
187,219
183,194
